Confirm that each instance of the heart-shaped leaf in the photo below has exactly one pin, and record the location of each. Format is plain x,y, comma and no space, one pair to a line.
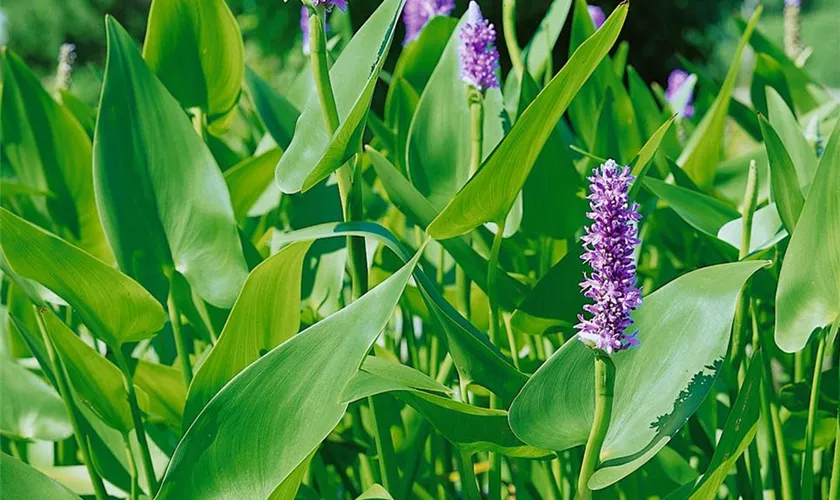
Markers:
163,200
688,319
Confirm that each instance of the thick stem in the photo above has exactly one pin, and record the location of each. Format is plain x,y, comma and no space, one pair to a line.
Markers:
476,101
604,388
137,418
132,468
509,27
66,394
808,459
180,339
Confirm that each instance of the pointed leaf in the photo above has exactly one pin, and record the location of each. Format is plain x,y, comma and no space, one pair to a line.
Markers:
783,182
792,137
252,179
277,114
700,210
541,45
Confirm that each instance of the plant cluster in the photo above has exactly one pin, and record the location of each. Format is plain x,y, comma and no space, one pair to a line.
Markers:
542,284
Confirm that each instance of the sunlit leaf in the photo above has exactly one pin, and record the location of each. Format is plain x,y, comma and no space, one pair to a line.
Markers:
31,408
22,481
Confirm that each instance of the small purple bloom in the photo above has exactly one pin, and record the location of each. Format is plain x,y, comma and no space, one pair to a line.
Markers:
479,57
676,80
609,243
304,28
329,4
597,15
793,3
418,12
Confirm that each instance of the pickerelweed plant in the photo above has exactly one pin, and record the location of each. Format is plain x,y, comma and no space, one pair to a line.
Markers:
416,267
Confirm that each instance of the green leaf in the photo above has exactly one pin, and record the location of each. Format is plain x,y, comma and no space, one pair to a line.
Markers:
702,153
808,296
768,74
375,492
643,158
438,154
265,315
490,194
783,181
115,308
692,314
196,50
313,154
162,198
164,391
379,375
22,481
795,426
767,230
541,45
30,409
252,179
50,152
276,113
792,137
738,432
701,211
98,383
270,417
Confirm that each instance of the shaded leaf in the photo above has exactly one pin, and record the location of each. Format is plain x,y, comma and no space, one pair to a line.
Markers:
276,113
251,180
783,182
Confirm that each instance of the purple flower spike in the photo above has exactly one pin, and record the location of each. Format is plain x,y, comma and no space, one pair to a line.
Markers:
418,12
479,57
597,15
609,243
329,4
676,80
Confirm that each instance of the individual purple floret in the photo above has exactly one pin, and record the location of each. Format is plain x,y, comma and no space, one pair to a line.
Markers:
597,15
609,243
418,12
329,4
479,57
793,3
676,80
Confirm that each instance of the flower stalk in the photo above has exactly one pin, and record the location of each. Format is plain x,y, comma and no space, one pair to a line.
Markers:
604,391
509,29
810,430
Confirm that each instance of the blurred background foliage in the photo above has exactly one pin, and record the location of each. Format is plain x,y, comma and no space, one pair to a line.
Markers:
657,31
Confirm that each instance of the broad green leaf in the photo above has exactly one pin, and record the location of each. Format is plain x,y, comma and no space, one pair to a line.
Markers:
738,432
541,45
378,375
163,200
375,492
701,211
794,429
98,383
252,179
270,417
583,109
277,114
438,153
767,75
31,408
196,50
783,182
164,391
489,195
645,156
785,125
692,314
265,315
50,152
767,229
84,114
808,296
22,481
313,154
702,153
418,209
113,306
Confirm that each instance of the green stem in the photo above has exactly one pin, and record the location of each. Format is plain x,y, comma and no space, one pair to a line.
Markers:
132,468
137,418
509,28
469,486
384,448
180,338
476,102
72,412
834,488
808,459
737,348
18,449
604,389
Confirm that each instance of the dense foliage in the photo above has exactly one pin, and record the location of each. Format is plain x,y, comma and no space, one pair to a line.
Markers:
536,283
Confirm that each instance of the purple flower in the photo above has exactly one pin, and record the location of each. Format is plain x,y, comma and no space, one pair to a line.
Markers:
676,80
609,243
329,4
304,29
793,3
418,12
479,57
597,15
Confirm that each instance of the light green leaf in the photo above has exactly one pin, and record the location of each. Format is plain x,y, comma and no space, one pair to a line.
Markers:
196,50
489,195
30,409
250,180
277,114
50,152
379,375
738,432
795,427
438,154
375,492
643,159
783,182
767,230
808,296
702,153
163,392
270,417
541,45
313,154
265,315
692,314
162,198
22,481
113,306
701,211
785,125
98,383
